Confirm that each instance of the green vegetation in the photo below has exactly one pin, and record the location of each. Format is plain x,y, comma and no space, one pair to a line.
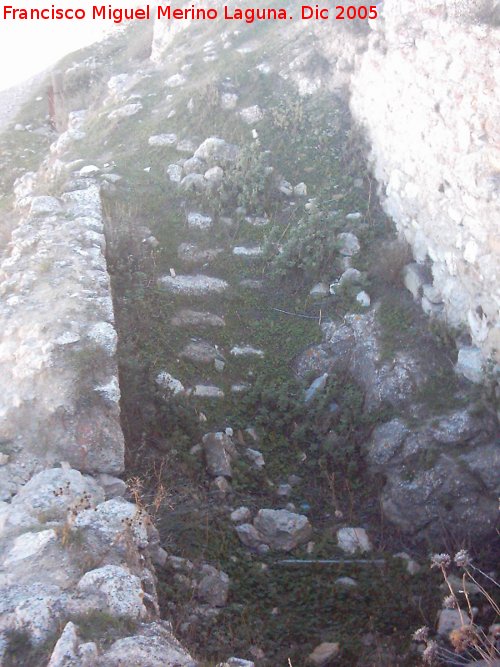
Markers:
21,651
100,626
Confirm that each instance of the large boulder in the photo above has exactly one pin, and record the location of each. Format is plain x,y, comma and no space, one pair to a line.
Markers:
442,472
282,530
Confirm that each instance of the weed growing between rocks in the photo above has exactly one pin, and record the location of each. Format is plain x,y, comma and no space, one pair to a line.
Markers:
468,629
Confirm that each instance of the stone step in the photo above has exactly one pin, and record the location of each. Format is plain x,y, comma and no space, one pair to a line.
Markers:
201,351
193,318
190,253
197,220
207,391
245,251
246,351
193,285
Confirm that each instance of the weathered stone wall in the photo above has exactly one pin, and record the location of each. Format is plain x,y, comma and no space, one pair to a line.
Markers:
73,552
427,93
59,394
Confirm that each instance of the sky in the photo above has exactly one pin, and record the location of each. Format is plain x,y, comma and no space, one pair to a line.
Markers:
28,47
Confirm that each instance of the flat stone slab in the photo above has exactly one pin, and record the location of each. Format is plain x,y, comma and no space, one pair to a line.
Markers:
240,387
196,285
207,391
190,253
246,351
198,220
200,352
243,251
162,140
186,318
257,221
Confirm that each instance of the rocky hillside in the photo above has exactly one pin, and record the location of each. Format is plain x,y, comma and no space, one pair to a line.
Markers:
225,419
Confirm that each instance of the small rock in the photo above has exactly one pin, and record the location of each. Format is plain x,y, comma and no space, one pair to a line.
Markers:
348,244
248,535
213,587
255,457
363,299
199,221
281,529
216,150
89,170
238,388
323,653
318,385
241,514
174,172
236,662
470,363
219,451
4,459
194,182
246,351
357,215
207,391
350,275
167,381
300,190
348,582
242,251
320,290
151,241
200,352
352,540
221,485
284,490
285,188
451,619
195,285
219,365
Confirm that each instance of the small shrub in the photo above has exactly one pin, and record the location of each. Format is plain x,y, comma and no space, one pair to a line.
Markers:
247,182
309,249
